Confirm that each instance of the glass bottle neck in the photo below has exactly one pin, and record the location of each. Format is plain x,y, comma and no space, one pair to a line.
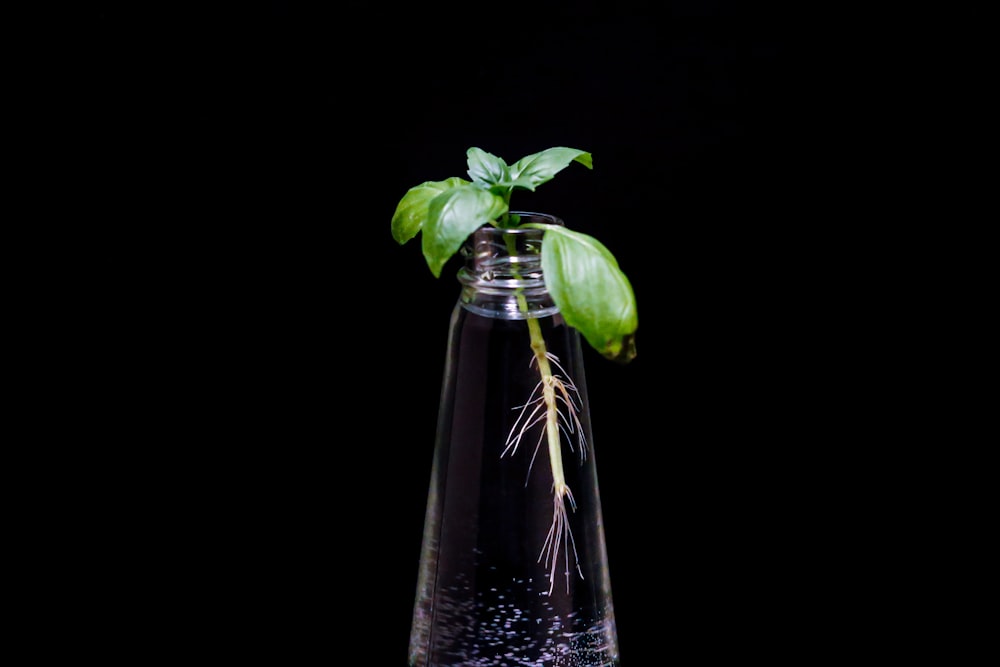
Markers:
502,276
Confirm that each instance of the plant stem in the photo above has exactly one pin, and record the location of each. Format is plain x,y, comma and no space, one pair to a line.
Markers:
551,408
548,384
560,536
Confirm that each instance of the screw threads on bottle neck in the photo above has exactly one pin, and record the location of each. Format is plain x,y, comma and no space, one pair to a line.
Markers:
502,275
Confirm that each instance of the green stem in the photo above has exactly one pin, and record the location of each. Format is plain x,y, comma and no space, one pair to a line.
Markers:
551,409
548,385
560,538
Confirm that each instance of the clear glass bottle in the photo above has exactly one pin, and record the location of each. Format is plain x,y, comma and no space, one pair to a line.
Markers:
513,565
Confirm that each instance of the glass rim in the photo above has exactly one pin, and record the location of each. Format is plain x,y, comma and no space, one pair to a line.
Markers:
547,218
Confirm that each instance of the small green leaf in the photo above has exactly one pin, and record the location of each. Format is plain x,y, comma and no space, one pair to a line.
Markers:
452,216
593,294
531,171
411,212
487,168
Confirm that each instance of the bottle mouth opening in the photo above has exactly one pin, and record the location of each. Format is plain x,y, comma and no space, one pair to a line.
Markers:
518,240
504,263
525,217
505,258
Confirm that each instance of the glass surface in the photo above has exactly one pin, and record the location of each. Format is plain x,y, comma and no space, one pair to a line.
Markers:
513,566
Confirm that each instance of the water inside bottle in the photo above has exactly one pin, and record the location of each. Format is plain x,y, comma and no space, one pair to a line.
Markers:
486,594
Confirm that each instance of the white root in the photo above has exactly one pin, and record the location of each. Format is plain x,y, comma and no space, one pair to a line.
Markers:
555,402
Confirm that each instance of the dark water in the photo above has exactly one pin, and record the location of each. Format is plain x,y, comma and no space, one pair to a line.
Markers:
485,598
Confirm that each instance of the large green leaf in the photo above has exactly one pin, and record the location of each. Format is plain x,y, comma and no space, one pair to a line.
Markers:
453,215
531,171
590,290
411,211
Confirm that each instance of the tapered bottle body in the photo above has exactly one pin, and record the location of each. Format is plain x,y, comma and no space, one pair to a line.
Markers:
513,565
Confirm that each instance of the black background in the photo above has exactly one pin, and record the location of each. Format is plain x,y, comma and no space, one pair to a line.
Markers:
331,337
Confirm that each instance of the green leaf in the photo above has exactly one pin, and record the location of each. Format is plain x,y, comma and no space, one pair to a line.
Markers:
487,168
531,171
411,211
593,294
453,215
